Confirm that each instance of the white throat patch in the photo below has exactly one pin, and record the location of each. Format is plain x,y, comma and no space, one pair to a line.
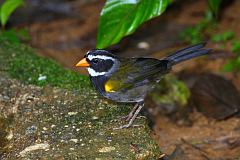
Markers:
94,73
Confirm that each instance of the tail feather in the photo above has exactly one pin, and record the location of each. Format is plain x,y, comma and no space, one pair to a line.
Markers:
188,53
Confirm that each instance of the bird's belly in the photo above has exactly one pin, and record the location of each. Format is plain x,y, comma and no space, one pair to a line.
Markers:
132,95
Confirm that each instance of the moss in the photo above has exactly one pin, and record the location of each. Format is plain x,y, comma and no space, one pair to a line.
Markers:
170,91
21,63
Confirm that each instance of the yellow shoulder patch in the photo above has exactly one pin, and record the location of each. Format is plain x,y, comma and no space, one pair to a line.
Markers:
111,86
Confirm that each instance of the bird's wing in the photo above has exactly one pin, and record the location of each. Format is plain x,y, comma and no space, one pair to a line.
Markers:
136,72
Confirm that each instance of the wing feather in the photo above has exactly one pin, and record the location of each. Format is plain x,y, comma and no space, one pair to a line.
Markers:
136,71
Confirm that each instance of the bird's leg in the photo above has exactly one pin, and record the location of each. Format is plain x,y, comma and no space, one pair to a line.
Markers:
133,117
129,116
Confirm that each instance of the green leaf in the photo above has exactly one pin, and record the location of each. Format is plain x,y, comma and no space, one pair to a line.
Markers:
7,8
122,17
214,6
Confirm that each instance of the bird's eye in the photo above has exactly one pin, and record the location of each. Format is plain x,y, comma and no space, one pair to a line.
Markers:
95,60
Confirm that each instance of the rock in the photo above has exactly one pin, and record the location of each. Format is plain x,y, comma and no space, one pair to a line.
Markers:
66,123
63,111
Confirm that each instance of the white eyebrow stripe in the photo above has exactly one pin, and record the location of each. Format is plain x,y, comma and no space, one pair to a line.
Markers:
90,57
87,52
94,73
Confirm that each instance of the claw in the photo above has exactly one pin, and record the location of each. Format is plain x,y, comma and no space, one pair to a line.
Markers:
132,116
127,126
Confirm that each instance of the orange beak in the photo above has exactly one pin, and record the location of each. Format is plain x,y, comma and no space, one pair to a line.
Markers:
82,63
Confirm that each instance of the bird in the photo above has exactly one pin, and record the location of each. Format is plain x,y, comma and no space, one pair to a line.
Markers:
129,79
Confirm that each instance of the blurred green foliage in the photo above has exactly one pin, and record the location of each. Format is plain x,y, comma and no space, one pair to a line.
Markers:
7,8
236,46
223,37
233,64
14,36
197,33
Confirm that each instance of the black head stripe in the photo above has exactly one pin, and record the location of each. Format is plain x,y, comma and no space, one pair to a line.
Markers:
102,65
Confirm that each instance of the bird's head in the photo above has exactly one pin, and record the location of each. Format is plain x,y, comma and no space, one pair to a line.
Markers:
99,62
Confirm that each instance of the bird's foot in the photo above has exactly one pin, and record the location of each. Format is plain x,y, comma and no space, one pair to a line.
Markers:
132,116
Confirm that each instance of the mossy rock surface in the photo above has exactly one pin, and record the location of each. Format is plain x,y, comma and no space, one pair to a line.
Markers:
56,114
